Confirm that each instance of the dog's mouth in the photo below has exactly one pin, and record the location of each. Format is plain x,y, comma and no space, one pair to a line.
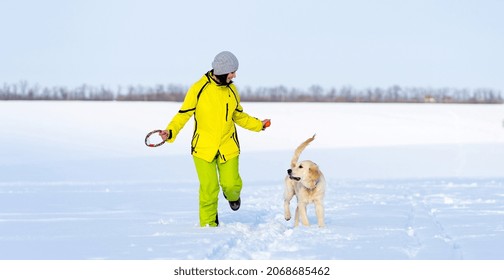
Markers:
294,178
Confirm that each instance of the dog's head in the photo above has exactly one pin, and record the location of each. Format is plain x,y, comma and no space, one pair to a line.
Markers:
305,172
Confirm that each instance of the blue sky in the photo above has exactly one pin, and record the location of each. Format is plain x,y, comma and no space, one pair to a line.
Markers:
361,43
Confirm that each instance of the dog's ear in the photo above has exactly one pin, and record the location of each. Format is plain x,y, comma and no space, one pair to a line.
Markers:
314,172
314,175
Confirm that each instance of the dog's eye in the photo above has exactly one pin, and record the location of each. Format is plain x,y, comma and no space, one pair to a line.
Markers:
300,166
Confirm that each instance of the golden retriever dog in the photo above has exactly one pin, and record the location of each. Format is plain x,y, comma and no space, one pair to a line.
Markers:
304,180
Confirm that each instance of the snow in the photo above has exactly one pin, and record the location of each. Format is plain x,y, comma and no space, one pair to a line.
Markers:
405,181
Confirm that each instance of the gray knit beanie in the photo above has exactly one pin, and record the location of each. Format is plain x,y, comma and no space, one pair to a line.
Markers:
225,62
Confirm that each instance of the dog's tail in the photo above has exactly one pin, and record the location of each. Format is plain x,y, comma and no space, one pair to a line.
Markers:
300,149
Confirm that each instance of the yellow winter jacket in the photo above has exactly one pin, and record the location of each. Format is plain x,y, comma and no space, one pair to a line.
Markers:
216,109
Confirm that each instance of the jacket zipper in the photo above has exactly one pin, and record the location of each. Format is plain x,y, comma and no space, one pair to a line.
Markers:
234,136
195,141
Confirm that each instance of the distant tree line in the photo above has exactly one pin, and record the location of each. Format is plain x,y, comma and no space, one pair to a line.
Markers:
315,93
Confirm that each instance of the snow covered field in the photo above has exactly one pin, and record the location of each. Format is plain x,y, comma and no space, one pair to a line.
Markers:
406,181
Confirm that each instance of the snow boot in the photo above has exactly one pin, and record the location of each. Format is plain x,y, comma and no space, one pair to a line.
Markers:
235,205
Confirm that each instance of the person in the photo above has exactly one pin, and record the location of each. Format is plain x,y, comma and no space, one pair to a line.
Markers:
215,104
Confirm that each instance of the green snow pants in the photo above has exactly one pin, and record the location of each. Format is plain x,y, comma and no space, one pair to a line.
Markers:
211,175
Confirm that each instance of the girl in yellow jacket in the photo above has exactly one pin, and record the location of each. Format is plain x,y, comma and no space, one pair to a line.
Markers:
215,104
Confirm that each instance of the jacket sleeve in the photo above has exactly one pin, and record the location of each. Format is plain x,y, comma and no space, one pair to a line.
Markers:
245,120
184,114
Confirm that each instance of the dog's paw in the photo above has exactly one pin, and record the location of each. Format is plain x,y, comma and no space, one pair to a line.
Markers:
287,214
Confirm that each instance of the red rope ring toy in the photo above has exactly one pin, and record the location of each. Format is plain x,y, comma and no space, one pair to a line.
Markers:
148,142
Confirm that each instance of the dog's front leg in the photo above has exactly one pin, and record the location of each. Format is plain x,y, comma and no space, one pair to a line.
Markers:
302,214
287,213
319,210
288,195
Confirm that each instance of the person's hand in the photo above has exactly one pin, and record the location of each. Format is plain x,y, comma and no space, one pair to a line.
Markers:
266,123
165,134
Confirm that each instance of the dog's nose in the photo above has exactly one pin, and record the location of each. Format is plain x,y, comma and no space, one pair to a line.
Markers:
289,171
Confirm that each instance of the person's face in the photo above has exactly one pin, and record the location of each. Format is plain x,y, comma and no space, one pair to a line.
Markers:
231,76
